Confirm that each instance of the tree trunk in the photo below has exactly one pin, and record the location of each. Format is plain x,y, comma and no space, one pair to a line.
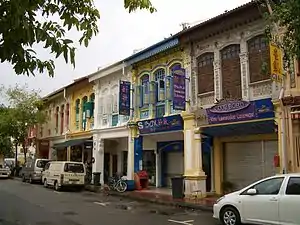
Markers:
25,152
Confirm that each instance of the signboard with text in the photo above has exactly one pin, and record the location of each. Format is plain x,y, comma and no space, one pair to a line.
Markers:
163,124
124,98
238,110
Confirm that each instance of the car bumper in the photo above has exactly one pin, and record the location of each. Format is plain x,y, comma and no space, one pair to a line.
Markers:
4,175
37,177
216,211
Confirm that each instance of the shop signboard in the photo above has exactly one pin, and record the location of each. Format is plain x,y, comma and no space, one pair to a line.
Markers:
162,124
124,98
179,91
238,110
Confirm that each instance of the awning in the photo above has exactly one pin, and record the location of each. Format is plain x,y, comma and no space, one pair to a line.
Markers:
238,129
73,142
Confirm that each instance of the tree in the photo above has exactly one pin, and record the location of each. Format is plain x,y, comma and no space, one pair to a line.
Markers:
25,23
285,15
24,111
6,147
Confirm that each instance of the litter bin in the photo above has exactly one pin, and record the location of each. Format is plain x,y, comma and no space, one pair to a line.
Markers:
97,178
177,187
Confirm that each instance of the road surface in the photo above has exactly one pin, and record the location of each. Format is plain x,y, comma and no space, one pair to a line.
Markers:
32,204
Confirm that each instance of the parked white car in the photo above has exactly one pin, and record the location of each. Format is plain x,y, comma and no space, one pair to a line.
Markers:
273,200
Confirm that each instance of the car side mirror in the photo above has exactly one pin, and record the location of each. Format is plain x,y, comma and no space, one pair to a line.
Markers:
252,191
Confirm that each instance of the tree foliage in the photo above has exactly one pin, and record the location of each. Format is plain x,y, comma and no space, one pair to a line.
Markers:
5,140
24,23
285,15
23,112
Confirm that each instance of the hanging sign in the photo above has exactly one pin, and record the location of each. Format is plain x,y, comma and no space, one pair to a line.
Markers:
179,88
276,63
124,98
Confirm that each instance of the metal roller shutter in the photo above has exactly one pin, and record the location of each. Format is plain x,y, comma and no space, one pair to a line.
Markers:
242,163
246,162
174,166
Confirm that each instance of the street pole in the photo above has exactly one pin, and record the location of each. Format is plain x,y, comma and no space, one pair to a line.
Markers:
283,109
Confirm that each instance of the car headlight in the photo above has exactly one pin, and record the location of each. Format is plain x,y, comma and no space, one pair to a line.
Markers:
220,199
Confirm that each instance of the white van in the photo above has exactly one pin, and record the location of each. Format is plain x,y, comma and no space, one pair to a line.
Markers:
64,174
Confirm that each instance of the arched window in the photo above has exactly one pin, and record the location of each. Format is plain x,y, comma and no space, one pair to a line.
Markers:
77,113
159,76
56,118
67,115
84,108
92,101
145,79
259,59
62,118
231,72
205,73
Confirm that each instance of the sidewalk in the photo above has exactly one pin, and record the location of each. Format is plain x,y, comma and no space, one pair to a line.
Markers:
205,204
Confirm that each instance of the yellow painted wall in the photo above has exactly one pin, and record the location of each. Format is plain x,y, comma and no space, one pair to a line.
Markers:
78,92
219,159
165,61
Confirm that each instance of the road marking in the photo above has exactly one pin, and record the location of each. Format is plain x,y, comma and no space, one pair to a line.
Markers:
100,203
187,222
57,192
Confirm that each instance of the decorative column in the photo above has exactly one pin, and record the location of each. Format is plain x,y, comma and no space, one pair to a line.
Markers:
195,178
131,151
98,155
217,74
244,69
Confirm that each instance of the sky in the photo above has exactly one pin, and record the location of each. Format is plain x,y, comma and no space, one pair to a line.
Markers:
120,34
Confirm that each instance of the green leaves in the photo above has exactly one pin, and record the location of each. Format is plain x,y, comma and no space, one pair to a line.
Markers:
20,28
133,5
24,112
286,14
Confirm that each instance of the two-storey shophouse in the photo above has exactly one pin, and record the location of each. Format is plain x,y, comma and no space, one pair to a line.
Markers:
232,94
110,132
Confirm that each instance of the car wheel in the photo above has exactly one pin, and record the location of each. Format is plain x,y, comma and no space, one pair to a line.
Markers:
23,178
45,183
56,186
230,216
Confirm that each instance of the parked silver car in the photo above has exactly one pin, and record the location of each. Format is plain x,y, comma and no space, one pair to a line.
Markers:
32,171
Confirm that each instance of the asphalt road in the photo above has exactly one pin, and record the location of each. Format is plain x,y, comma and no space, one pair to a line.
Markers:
27,204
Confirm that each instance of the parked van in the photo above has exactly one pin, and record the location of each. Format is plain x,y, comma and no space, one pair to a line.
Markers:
32,171
61,174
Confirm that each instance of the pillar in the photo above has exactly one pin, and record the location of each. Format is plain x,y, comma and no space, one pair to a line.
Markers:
131,141
195,178
218,166
98,155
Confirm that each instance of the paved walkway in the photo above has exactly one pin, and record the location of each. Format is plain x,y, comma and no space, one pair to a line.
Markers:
205,204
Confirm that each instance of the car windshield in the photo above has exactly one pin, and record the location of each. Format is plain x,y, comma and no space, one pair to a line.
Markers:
74,168
41,163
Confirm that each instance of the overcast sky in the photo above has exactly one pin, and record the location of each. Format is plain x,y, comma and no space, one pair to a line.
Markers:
121,33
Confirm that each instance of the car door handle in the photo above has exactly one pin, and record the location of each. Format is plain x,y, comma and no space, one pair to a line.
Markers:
273,199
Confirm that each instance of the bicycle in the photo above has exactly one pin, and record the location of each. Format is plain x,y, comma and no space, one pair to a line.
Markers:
117,183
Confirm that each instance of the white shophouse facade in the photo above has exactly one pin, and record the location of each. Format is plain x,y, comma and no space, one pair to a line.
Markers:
110,134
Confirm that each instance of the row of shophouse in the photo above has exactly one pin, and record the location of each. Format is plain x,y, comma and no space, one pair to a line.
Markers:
204,103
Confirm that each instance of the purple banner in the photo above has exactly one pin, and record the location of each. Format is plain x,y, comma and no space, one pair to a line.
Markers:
231,111
124,98
179,89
